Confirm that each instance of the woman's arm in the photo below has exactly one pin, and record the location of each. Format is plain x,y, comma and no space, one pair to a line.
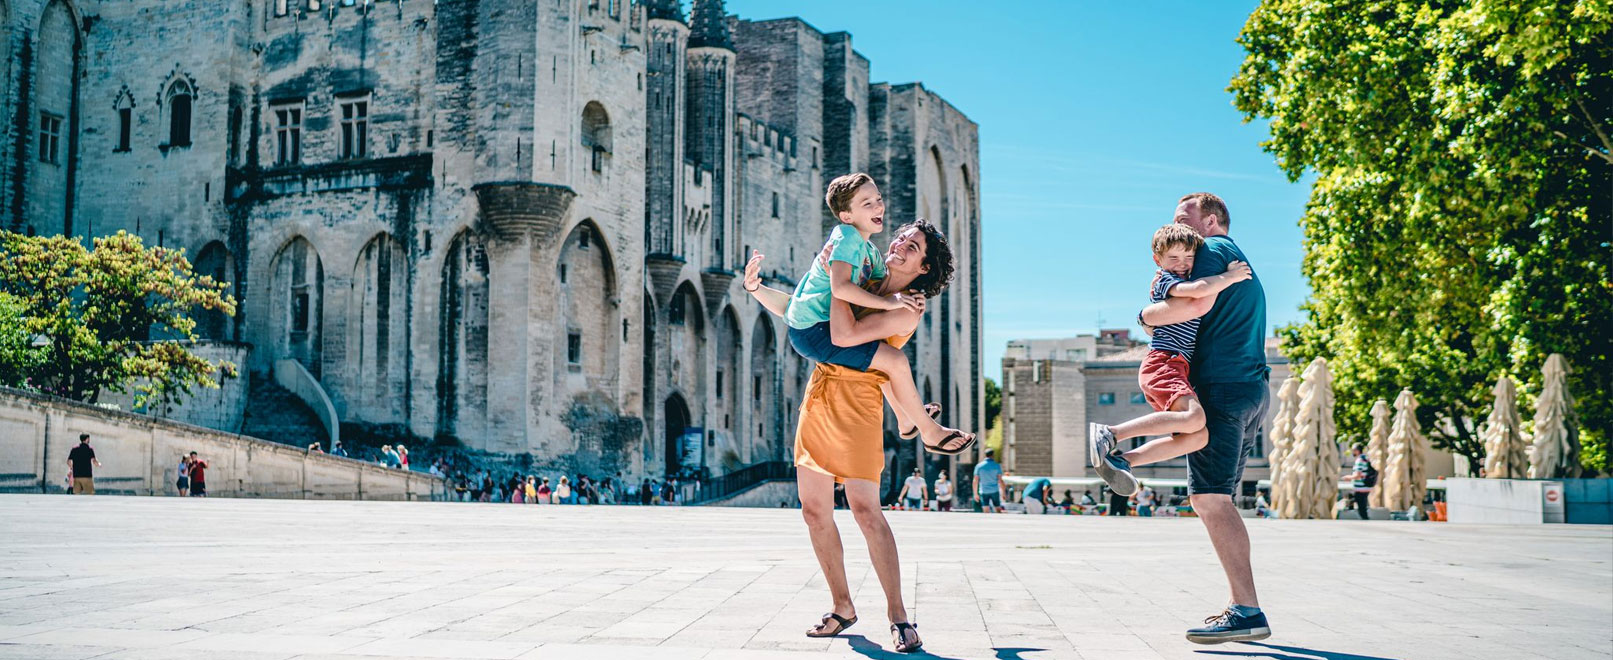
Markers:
774,300
845,329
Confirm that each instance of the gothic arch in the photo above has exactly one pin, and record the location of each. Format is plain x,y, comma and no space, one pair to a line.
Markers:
685,343
596,135
587,342
462,320
376,337
177,102
765,393
52,119
215,261
296,295
725,388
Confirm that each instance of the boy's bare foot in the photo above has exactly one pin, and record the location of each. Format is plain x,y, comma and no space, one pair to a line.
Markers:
1116,471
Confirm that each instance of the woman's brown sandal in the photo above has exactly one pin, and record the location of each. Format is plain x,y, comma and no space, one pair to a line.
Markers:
899,637
840,624
935,413
945,450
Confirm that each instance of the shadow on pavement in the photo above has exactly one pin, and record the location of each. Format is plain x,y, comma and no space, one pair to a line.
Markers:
868,649
1299,653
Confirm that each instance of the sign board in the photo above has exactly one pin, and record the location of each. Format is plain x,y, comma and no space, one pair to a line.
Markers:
1551,502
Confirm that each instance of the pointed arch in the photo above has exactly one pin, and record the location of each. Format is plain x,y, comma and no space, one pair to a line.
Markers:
296,294
215,262
51,119
729,347
462,322
765,390
376,328
587,349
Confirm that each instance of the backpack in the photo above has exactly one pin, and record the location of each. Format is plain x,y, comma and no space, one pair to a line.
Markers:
1370,479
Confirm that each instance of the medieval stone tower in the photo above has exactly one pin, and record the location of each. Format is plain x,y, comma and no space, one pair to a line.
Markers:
513,223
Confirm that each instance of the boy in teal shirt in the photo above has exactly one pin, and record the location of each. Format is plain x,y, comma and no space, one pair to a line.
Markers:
846,265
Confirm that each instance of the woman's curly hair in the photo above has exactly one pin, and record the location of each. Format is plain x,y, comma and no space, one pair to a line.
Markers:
937,257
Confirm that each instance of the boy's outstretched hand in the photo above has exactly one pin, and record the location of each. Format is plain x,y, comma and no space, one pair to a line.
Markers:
1238,271
753,272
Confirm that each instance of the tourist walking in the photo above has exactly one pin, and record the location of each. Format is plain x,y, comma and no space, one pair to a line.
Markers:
839,438
1229,375
1145,502
182,476
914,491
943,492
83,461
198,476
988,483
1363,478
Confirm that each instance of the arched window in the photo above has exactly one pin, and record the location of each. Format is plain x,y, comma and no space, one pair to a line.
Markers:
125,107
596,134
179,99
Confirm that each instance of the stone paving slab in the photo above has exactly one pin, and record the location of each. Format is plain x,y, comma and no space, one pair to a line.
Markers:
137,578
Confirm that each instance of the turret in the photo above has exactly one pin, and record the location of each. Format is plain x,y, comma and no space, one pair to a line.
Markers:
708,133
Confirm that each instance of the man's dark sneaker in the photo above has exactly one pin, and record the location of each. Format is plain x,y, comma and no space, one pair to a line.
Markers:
1116,471
1230,626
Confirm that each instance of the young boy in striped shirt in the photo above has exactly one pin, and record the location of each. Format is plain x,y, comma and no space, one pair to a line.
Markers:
1163,374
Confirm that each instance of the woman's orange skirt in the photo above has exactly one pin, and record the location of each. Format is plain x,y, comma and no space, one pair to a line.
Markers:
841,432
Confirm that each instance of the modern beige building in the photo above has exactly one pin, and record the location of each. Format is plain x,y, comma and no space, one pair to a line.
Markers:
1049,398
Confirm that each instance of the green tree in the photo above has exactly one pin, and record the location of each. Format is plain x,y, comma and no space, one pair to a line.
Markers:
18,355
994,403
1458,229
97,311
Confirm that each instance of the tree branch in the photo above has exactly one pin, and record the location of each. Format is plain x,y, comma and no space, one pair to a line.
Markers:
1607,145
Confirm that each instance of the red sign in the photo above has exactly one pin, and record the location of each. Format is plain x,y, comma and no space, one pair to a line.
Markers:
1551,495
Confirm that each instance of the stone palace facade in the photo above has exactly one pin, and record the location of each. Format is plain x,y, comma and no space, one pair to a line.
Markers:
517,223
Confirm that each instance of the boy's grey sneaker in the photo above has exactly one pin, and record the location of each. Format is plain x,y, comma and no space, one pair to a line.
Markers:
1116,471
1230,626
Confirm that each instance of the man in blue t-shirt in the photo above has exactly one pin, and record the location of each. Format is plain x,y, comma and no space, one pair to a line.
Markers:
989,483
1229,374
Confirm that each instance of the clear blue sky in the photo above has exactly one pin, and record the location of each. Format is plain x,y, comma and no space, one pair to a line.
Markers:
1095,117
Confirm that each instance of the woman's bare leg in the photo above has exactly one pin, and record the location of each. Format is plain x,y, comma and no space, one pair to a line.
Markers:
817,493
893,363
863,496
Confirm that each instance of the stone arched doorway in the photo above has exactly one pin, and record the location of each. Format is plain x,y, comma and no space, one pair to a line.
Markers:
675,412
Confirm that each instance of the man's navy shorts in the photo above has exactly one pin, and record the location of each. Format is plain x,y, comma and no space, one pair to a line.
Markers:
1232,414
815,344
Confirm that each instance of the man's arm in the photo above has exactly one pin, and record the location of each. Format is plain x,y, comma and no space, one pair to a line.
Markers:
1237,271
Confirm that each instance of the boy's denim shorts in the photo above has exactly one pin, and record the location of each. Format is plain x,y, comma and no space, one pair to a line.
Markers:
815,344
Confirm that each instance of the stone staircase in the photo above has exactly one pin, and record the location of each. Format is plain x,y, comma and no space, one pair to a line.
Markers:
273,413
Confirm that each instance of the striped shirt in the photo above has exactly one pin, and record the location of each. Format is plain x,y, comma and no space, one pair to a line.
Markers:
1178,338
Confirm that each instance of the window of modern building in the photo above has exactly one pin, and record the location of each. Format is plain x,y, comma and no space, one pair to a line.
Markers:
1106,398
1137,399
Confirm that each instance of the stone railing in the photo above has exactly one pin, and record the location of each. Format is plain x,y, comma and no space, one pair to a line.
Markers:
139,456
291,375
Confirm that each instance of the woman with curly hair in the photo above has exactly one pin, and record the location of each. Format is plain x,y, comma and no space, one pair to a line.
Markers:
840,439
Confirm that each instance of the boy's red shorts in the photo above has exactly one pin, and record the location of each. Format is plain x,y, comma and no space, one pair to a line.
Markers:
1163,377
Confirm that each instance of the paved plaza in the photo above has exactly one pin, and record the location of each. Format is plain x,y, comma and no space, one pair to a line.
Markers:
137,577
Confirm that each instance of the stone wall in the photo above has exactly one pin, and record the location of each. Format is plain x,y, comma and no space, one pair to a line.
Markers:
531,243
140,454
221,409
